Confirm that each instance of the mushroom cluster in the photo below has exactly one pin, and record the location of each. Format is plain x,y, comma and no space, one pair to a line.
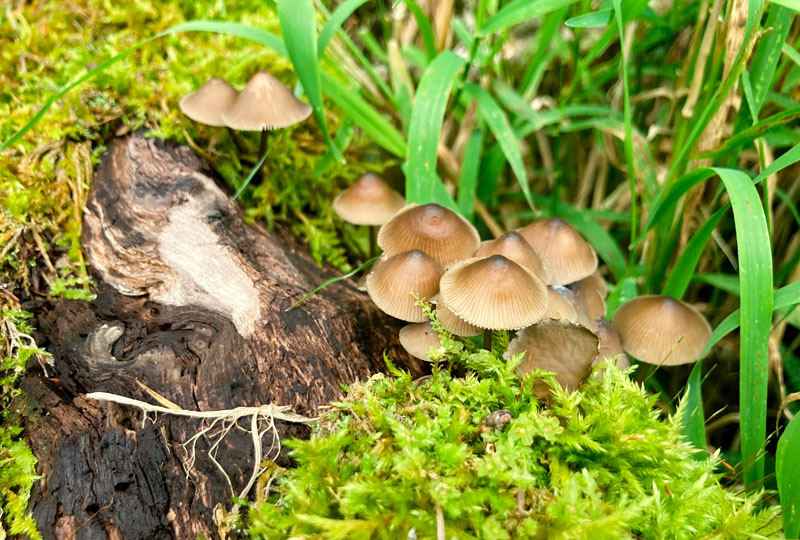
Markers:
540,281
262,105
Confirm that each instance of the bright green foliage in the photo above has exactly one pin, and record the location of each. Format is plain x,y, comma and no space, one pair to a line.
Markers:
601,462
17,463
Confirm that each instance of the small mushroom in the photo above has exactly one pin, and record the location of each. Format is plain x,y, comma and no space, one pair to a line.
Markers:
610,346
567,255
451,322
514,247
416,339
369,201
393,279
661,330
494,294
558,346
441,233
589,298
558,307
207,103
264,104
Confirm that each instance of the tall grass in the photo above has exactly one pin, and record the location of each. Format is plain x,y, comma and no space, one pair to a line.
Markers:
641,125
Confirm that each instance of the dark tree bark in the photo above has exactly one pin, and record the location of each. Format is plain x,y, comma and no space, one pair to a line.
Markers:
191,303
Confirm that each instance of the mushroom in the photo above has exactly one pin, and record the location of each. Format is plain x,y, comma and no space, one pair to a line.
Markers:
439,232
610,345
450,321
589,298
661,330
559,346
494,294
514,247
393,279
559,307
416,339
207,103
264,104
567,255
369,201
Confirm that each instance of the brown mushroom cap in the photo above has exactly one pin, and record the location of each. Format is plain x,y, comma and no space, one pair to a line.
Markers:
661,330
514,247
393,279
416,339
369,201
265,103
207,103
450,321
596,282
589,298
558,307
610,345
559,346
439,232
567,255
494,293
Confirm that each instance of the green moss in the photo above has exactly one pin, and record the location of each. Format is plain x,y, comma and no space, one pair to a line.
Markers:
601,462
17,463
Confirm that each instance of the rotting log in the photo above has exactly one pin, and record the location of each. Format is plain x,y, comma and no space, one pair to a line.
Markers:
191,303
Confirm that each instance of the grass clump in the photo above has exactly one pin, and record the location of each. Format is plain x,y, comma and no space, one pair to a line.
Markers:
400,458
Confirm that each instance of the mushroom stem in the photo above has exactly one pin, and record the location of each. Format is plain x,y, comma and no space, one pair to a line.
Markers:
262,145
487,339
373,235
262,152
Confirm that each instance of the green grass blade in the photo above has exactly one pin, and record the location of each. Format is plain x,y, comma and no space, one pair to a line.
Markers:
694,417
768,53
220,27
427,116
331,282
755,283
425,29
787,470
520,11
498,124
785,297
468,182
794,5
628,143
297,24
684,267
250,176
724,282
335,22
750,133
597,19
364,115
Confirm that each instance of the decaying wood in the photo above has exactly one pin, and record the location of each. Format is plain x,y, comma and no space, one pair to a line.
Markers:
191,303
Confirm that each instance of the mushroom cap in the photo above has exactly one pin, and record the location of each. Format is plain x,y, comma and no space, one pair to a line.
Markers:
450,321
610,345
596,282
494,293
568,256
265,103
416,339
661,330
439,232
369,201
207,103
589,298
559,307
393,279
559,346
513,246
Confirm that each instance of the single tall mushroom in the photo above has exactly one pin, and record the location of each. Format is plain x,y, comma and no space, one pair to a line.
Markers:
264,104
661,330
494,294
369,201
207,103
